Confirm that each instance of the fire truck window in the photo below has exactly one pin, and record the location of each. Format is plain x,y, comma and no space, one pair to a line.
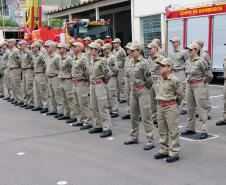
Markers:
219,40
95,32
175,29
198,28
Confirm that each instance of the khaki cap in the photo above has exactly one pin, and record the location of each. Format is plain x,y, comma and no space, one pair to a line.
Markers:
62,45
78,44
40,41
36,45
107,46
116,40
87,38
95,46
135,46
166,62
99,41
22,42
199,41
193,45
156,40
12,40
128,45
50,43
152,44
5,43
71,41
175,39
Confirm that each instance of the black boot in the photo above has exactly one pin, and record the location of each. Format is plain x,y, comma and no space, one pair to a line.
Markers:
72,120
221,123
51,113
172,159
86,126
63,118
131,142
36,109
23,106
29,107
127,116
106,133
204,135
160,156
95,130
76,124
19,104
188,132
58,115
45,110
114,115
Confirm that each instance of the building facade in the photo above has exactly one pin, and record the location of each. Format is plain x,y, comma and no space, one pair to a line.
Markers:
148,18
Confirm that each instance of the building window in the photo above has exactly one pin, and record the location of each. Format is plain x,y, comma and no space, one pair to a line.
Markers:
150,29
4,8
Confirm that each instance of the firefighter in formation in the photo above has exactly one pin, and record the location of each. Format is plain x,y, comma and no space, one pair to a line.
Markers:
83,83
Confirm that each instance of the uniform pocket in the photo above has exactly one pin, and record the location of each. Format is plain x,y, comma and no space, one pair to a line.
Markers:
203,102
104,101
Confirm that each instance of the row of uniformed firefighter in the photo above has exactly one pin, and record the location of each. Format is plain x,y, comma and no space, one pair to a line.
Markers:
76,84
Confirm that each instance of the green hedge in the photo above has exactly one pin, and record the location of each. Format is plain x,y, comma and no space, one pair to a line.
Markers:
8,22
56,23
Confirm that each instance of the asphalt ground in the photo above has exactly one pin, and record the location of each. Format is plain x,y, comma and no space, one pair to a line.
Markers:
39,150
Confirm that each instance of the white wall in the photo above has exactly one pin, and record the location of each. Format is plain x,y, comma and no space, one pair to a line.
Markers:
141,8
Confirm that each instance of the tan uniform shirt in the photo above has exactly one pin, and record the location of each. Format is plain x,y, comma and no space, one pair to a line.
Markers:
170,89
100,70
120,56
198,70
112,63
44,51
14,60
154,66
39,62
27,59
162,52
5,58
52,65
80,67
140,73
65,67
205,56
179,57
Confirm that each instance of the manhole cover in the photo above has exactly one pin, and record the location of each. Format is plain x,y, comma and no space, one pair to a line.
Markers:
196,137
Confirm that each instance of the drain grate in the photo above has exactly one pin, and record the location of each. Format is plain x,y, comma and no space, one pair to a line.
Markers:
195,137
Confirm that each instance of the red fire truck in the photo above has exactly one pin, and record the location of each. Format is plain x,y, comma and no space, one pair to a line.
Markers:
81,28
207,23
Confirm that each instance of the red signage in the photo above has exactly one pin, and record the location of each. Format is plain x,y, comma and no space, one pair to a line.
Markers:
207,10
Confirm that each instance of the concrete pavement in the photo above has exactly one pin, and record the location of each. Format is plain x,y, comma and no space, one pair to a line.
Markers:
39,150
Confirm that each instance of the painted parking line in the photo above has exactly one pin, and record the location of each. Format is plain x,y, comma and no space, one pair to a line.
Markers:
194,140
218,96
216,86
215,107
110,138
62,182
20,153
